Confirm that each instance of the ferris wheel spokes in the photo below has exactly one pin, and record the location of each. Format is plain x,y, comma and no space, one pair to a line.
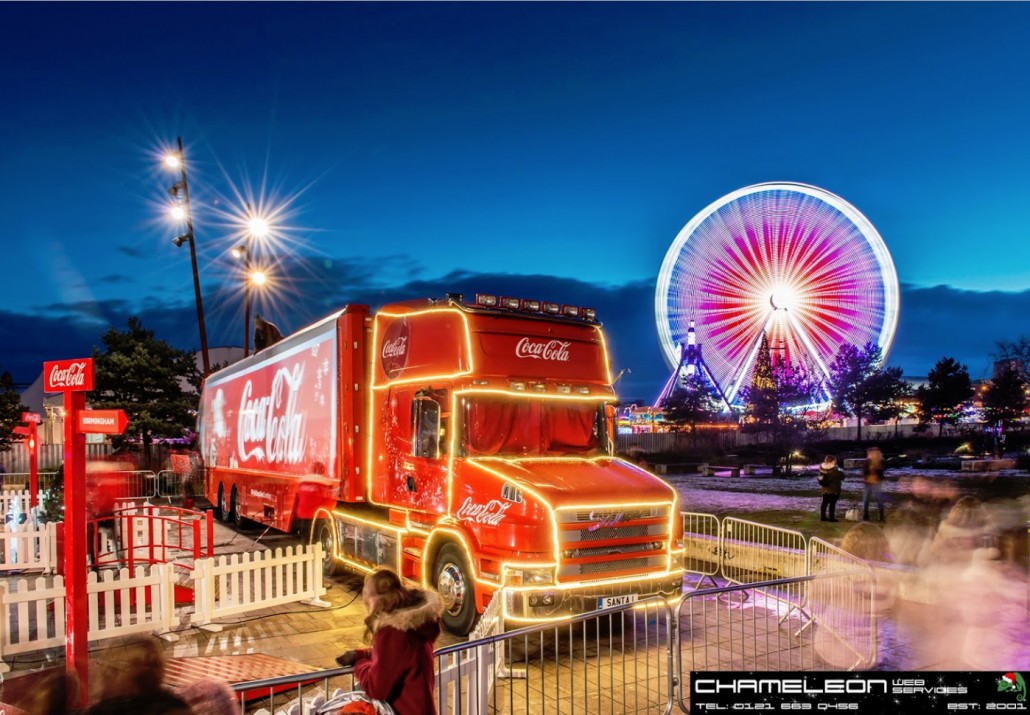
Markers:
743,370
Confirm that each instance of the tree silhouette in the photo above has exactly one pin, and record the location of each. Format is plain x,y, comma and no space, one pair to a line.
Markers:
849,380
695,401
10,411
948,388
1005,399
145,377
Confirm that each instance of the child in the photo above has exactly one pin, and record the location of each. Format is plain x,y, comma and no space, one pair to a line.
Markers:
402,625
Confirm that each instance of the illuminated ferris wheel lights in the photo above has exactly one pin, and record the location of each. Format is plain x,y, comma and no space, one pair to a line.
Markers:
786,260
783,298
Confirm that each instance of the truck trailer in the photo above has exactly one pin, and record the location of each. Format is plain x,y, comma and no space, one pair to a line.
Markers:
468,445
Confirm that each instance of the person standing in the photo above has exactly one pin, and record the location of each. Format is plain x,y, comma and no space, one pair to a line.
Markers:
402,625
831,477
872,476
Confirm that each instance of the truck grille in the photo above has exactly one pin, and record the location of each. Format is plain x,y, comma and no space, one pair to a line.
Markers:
598,548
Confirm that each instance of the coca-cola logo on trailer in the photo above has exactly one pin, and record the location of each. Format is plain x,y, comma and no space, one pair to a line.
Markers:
394,351
68,375
556,350
271,427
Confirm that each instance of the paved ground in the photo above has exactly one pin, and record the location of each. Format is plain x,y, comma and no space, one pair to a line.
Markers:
312,637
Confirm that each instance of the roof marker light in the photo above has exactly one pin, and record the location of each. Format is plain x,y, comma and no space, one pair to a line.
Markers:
487,301
510,303
589,313
552,308
570,310
531,305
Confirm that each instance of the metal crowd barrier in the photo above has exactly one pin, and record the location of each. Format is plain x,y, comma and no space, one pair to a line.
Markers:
615,661
701,549
751,552
717,631
293,693
20,480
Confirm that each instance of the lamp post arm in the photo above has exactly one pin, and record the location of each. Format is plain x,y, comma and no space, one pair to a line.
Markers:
193,260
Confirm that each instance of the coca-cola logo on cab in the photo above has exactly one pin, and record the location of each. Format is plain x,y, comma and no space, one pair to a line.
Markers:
556,350
491,513
394,351
69,375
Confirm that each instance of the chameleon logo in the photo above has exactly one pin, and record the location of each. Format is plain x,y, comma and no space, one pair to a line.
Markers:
1013,683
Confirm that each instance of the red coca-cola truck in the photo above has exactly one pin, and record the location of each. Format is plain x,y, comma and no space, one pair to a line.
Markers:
465,444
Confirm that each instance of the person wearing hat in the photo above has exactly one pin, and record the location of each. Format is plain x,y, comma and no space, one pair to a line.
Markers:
831,477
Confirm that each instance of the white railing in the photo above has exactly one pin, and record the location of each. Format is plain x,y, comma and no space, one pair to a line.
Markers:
117,605
231,584
30,618
751,552
122,604
27,547
701,550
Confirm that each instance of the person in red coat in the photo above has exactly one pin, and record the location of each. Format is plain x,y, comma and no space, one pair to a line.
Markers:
402,625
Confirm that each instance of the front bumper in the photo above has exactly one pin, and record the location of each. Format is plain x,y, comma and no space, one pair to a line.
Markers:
549,603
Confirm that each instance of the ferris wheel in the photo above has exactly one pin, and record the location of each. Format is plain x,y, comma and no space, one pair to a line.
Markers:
793,262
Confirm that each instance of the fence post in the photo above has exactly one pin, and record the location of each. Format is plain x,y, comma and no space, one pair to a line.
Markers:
166,584
4,620
204,594
313,566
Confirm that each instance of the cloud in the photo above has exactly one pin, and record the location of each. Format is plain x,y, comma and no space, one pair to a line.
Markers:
115,278
934,322
132,251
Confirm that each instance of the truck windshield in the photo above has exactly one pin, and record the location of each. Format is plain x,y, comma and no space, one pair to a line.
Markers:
500,427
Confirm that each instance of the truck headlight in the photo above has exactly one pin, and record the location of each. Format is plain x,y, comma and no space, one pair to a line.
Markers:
529,576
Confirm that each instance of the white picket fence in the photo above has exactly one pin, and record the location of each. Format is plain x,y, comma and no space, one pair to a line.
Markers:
32,613
231,584
27,547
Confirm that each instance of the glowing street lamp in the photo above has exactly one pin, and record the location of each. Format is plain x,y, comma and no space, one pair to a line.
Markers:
175,160
257,227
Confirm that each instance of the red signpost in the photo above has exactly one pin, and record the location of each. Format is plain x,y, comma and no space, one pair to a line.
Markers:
103,421
29,430
74,378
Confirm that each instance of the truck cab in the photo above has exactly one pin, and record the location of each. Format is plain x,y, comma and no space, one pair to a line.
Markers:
490,428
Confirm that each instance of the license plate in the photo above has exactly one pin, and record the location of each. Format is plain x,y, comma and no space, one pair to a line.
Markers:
612,601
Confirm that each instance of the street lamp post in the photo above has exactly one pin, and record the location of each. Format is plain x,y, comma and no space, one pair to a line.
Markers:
256,228
244,253
178,160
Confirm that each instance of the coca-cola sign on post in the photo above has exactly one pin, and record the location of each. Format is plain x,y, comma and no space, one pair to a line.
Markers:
68,375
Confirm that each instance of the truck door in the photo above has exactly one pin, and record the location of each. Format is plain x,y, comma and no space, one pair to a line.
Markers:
420,462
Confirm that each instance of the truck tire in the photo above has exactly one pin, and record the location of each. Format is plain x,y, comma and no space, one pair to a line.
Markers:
235,512
323,534
453,580
221,508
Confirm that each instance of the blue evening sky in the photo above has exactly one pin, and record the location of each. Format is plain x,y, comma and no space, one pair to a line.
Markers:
422,147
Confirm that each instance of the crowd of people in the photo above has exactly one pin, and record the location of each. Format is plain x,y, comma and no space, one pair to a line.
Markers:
940,575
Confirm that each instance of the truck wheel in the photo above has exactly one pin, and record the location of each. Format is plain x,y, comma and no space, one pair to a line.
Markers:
234,509
454,583
222,508
323,535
